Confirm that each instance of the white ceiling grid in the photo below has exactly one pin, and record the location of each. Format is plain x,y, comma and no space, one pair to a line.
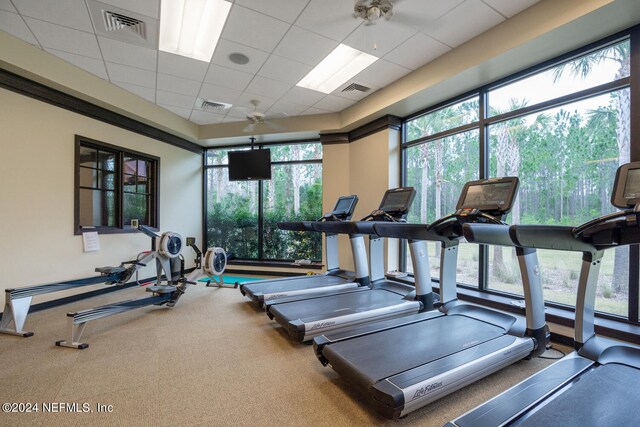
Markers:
283,39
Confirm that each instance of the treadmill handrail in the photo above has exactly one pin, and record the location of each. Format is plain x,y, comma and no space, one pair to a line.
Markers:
401,230
558,237
456,216
335,227
489,234
296,225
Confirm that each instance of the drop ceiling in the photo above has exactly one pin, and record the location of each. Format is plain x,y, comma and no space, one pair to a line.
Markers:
283,39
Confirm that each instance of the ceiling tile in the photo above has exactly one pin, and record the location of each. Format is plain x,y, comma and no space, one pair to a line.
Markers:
64,39
230,119
254,29
181,66
331,18
304,46
218,93
13,24
6,5
417,51
247,100
333,103
300,95
146,7
313,110
421,13
68,13
509,8
284,70
238,113
92,65
287,10
286,107
267,87
205,118
222,76
128,54
135,76
381,73
380,38
182,112
175,84
175,99
464,23
143,92
226,47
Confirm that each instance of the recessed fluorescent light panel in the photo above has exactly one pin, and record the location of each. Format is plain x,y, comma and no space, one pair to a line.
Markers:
338,67
192,28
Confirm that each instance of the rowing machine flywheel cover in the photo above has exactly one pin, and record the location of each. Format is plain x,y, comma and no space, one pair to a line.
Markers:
215,261
170,244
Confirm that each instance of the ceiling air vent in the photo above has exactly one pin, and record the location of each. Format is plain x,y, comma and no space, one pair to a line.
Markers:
355,87
123,25
213,106
115,22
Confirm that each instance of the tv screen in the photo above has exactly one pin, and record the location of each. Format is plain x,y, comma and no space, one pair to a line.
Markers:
249,165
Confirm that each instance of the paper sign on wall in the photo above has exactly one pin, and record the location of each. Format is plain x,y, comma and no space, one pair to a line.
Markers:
91,241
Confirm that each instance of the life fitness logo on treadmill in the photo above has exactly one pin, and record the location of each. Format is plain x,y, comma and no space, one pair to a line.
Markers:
322,325
426,390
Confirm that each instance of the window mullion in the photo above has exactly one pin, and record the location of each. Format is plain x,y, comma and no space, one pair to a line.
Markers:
483,250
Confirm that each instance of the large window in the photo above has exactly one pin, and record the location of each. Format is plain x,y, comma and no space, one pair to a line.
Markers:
563,129
113,187
438,168
242,216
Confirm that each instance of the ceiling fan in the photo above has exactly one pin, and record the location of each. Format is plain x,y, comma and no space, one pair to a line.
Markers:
372,10
256,118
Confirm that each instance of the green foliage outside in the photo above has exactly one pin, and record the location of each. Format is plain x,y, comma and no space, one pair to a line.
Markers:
565,157
294,193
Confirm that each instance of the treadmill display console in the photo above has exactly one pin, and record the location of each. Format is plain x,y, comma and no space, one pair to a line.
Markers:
397,200
345,206
489,195
626,189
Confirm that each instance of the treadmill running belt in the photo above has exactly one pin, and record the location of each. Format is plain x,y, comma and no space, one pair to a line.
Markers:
304,282
606,396
336,305
371,358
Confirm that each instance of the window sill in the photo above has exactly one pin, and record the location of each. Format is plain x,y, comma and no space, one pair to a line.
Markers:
282,264
611,328
110,230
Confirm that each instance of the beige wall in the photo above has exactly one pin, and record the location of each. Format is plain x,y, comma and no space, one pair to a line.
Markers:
37,195
366,167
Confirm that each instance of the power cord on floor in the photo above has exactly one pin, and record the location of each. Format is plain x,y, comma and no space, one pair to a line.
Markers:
559,353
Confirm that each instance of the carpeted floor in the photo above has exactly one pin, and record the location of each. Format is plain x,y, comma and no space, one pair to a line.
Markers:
212,360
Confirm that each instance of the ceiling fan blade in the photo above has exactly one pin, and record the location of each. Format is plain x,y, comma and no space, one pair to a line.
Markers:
249,128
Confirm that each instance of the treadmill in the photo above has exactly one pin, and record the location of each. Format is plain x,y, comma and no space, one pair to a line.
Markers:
335,279
400,368
599,383
382,299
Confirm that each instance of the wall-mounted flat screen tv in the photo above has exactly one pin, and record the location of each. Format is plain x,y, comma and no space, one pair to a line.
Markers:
249,165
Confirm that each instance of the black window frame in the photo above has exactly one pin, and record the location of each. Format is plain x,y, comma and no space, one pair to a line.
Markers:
119,190
632,83
261,260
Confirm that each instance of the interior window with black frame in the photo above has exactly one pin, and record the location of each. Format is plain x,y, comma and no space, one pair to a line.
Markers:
113,187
